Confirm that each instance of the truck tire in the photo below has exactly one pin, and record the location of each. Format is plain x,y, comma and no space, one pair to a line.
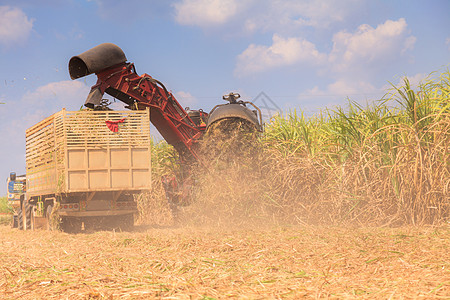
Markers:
29,217
32,215
20,218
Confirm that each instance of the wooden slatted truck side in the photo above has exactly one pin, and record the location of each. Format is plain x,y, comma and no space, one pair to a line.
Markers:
83,168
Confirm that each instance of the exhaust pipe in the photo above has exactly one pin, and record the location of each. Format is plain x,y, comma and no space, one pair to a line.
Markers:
96,59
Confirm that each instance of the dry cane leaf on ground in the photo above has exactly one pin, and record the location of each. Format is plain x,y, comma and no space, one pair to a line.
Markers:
196,262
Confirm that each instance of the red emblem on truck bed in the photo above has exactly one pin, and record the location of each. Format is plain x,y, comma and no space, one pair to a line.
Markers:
114,125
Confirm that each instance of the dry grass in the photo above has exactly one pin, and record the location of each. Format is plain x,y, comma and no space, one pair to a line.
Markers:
196,263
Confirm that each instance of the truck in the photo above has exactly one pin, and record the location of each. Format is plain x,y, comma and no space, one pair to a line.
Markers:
83,169
16,186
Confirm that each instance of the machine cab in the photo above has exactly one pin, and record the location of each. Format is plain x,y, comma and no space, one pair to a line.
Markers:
16,186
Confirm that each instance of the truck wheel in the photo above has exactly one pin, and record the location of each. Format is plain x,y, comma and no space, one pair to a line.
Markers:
20,218
29,217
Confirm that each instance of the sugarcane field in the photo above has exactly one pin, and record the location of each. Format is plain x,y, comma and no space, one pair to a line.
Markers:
318,170
281,217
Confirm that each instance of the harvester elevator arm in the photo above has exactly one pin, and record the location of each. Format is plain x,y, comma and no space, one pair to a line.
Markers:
119,79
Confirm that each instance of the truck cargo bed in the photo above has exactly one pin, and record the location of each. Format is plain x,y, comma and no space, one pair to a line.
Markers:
76,151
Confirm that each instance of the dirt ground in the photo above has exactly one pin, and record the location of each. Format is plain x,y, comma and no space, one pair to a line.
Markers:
200,263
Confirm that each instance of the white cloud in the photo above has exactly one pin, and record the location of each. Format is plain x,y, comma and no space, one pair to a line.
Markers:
204,13
418,79
415,81
347,88
360,91
264,15
282,52
116,9
370,46
185,98
354,55
293,14
15,26
337,93
324,13
53,97
447,42
342,89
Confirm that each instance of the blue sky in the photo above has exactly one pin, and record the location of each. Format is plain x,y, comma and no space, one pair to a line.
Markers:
302,54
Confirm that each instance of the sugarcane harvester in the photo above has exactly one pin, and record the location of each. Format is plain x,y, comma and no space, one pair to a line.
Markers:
183,129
